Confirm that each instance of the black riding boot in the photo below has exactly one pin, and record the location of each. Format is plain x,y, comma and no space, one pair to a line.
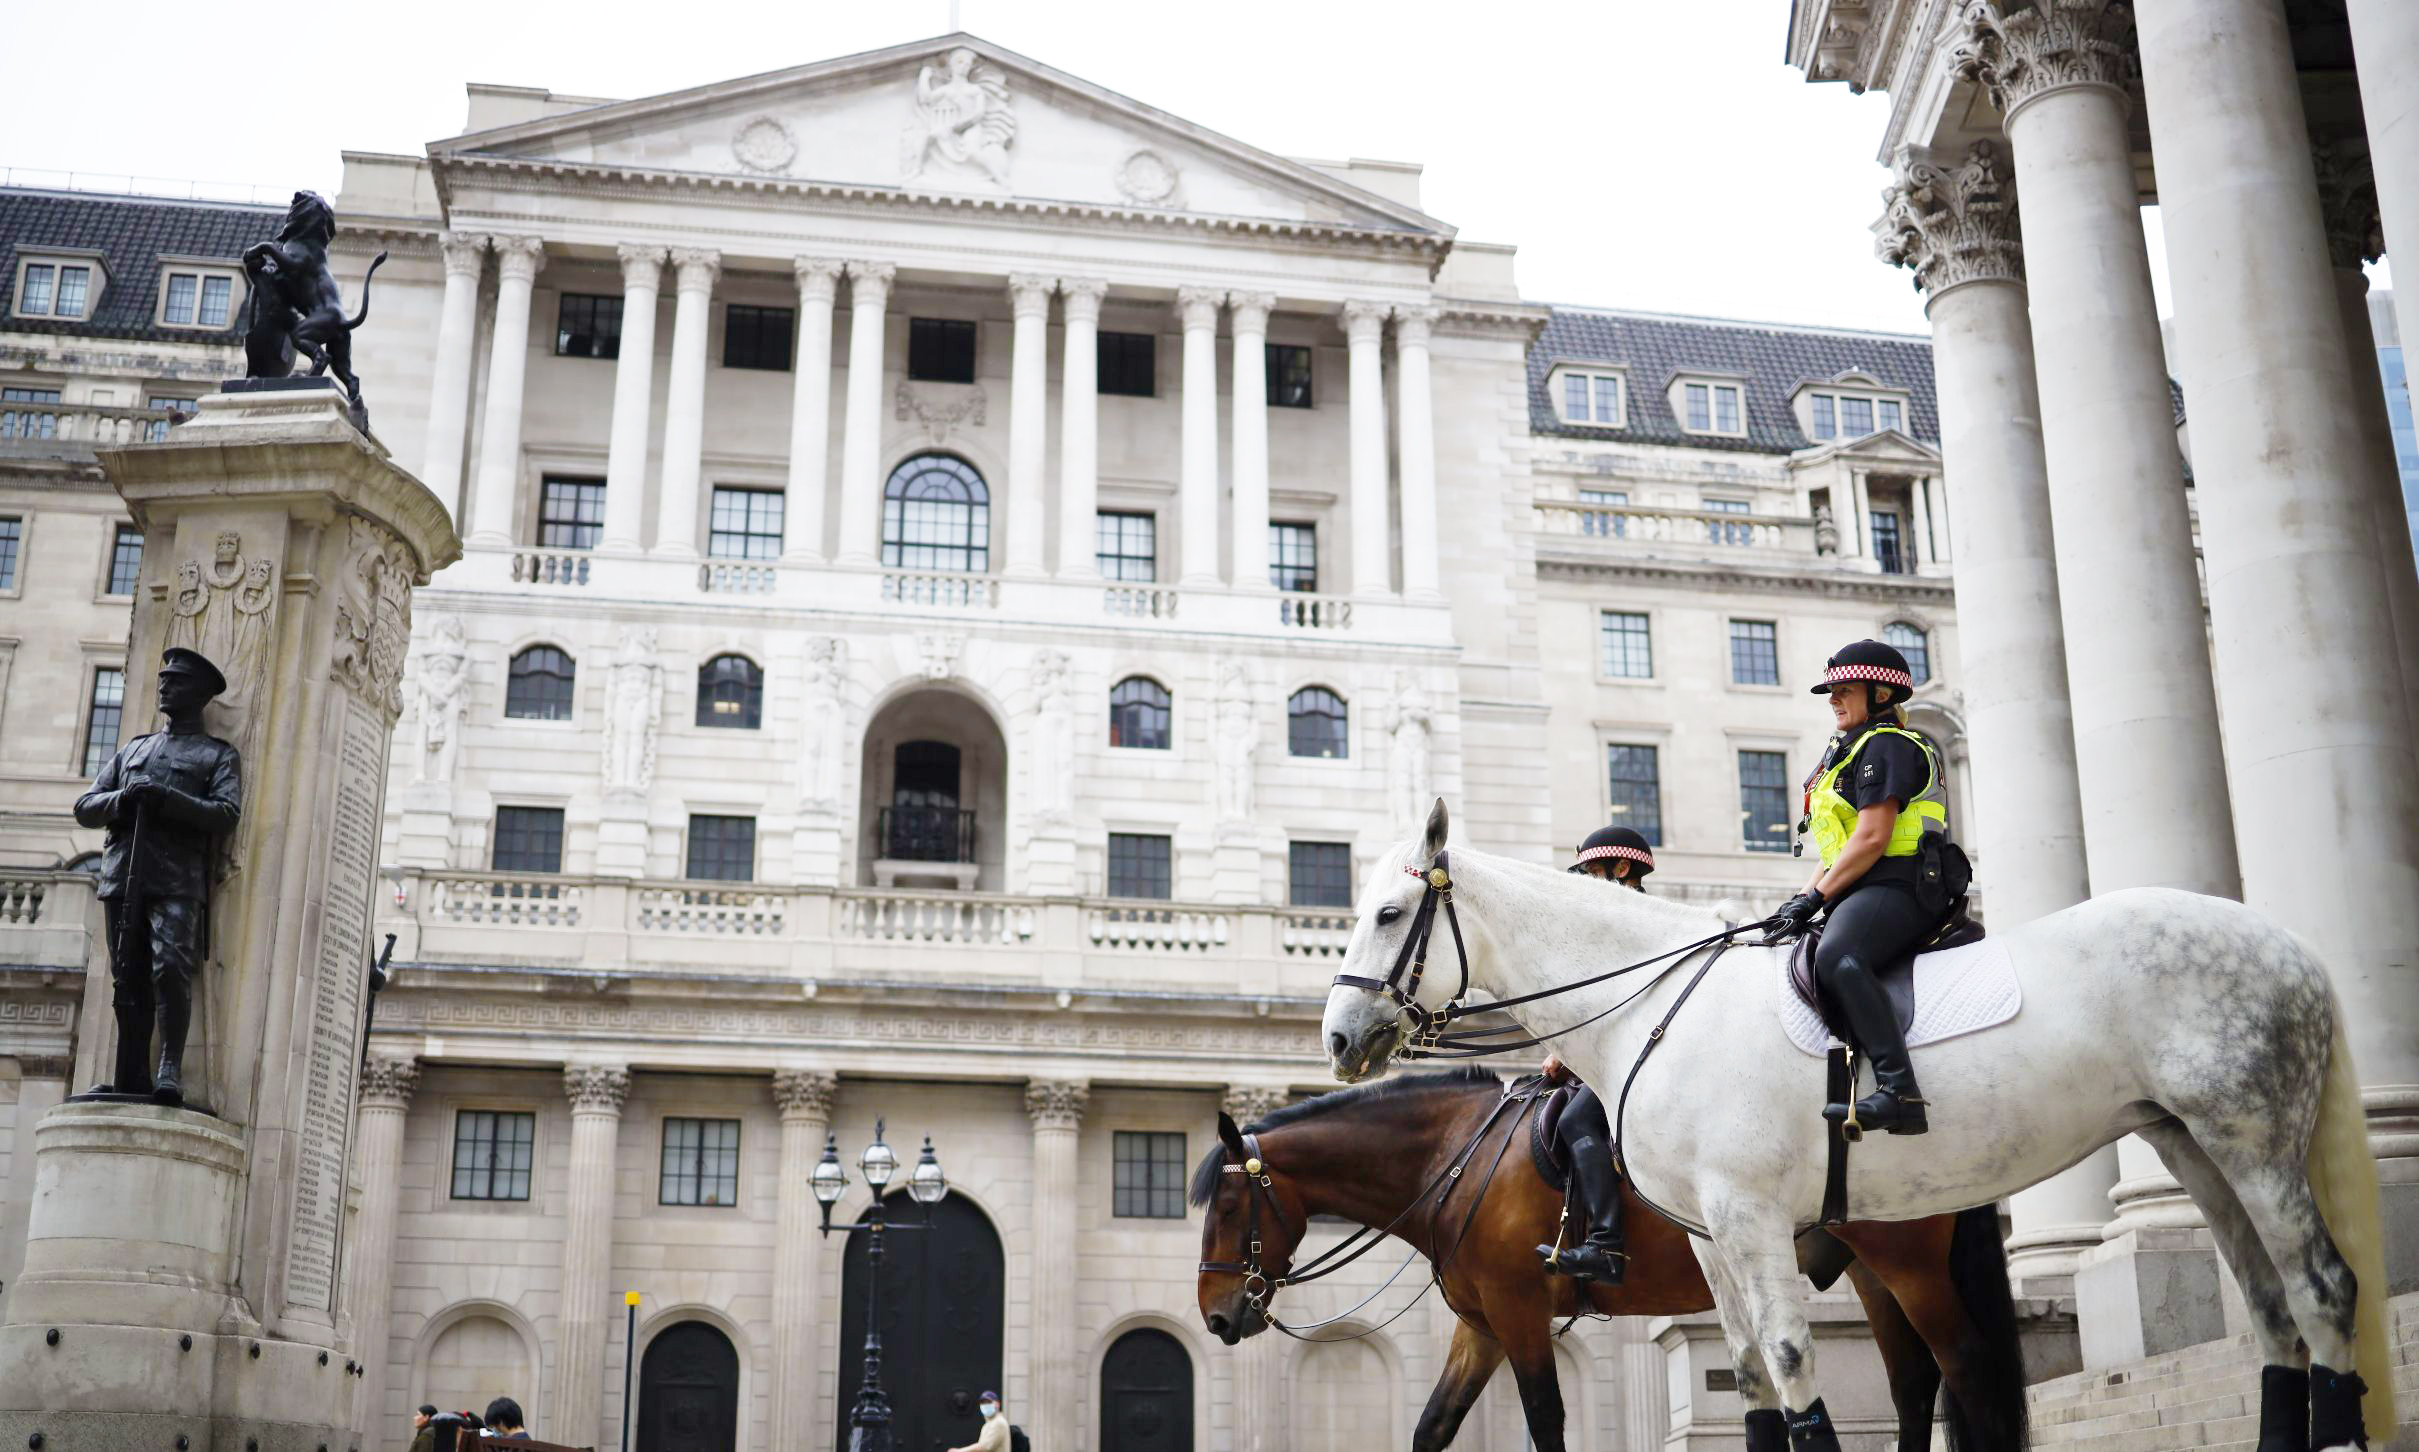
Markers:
1895,1105
133,1075
176,1017
1599,1257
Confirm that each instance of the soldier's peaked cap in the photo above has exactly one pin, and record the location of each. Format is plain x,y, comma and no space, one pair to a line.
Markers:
177,660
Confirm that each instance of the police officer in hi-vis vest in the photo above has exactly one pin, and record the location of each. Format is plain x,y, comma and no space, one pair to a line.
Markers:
1879,816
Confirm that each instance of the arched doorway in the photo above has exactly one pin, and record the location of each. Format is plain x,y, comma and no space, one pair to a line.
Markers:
688,1391
1146,1394
944,1293
933,793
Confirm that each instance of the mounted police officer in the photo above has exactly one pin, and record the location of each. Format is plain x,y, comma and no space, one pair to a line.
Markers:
1878,811
1618,855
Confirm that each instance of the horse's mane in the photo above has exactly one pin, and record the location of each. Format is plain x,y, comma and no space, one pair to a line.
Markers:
1457,1080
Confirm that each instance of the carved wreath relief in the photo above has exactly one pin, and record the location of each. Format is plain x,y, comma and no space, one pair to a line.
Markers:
764,145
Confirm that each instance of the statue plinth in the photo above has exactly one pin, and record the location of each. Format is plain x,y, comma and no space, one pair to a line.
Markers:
165,1245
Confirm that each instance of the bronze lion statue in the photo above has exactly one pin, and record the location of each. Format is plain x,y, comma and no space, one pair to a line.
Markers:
295,305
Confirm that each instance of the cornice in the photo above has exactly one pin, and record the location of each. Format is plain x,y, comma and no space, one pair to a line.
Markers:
1938,590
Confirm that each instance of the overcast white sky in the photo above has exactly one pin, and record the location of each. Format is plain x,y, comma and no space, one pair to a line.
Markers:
1640,153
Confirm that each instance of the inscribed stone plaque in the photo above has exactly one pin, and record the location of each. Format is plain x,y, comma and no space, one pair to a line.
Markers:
352,858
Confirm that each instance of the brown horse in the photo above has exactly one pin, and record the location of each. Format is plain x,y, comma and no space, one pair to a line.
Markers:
1935,1290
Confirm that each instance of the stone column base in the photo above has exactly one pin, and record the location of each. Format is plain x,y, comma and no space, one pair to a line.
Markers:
2147,1292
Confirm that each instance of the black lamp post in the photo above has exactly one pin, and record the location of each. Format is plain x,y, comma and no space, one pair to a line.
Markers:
869,1417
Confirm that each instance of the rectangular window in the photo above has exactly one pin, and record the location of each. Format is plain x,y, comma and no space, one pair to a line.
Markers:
73,284
571,513
588,326
1826,416
1764,801
29,395
1128,364
1887,414
184,292
1574,397
1607,523
528,839
1629,653
1755,653
174,405
1592,398
1725,410
1128,547
1886,546
1149,1170
12,538
940,350
125,560
1722,531
217,294
754,337
492,1154
1139,866
1855,417
700,1163
1637,790
41,285
722,849
1288,375
1319,874
746,524
1293,557
102,718
1700,407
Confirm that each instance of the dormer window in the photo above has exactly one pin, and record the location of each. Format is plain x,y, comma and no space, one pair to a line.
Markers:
1593,396
57,287
1841,415
196,296
1710,406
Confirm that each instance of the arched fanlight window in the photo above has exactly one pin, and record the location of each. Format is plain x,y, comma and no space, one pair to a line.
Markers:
1139,714
730,693
1315,722
538,683
1912,643
936,515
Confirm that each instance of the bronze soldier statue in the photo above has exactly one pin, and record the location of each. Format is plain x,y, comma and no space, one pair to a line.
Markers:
165,798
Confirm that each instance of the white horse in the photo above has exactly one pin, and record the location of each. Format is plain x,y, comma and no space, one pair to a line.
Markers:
2192,1021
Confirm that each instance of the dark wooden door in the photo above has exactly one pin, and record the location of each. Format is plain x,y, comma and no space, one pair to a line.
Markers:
688,1391
943,1294
1146,1394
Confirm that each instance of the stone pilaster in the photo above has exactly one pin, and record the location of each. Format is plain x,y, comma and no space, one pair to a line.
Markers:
1249,556
1056,1108
387,1082
449,386
596,1092
1416,426
1364,325
1079,427
861,416
1197,308
804,1097
1028,420
676,509
811,410
518,262
633,400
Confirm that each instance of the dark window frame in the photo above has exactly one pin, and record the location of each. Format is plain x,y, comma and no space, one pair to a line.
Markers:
1121,563
587,325
526,839
96,711
1636,796
1147,1173
538,700
713,851
694,1181
517,1152
1126,365
1636,644
733,681
1142,715
1755,660
904,510
1138,862
1292,375
744,522
571,512
1318,874
1889,542
942,350
1295,571
12,549
1917,650
755,334
1764,792
1306,713
125,562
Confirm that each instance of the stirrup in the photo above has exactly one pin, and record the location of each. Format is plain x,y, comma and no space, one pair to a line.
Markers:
1616,1262
1903,1116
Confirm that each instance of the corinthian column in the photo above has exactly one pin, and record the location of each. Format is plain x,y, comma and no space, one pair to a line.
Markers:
387,1082
1250,552
2145,713
1417,428
685,403
804,1097
518,260
1364,332
1955,226
1198,489
1079,428
449,388
2385,38
1057,1111
596,1092
1028,421
633,400
861,441
811,409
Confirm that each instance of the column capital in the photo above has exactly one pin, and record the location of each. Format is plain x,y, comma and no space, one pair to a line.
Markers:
1029,294
1251,310
1251,1103
1198,306
596,1088
869,283
818,277
1364,322
1951,224
1081,297
520,259
804,1093
642,266
2023,55
2347,204
465,252
1056,1103
1412,324
388,1081
698,268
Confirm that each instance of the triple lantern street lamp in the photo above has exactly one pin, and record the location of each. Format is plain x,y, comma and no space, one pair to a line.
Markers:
869,1416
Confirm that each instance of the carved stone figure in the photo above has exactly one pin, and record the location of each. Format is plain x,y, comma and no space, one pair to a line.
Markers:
373,614
166,798
1053,740
439,686
962,116
1826,531
825,724
1236,743
1410,759
296,306
940,654
222,611
634,708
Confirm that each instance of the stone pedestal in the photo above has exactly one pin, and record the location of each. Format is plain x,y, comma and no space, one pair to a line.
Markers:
2153,1284
425,835
815,849
191,1263
1050,861
621,838
1235,869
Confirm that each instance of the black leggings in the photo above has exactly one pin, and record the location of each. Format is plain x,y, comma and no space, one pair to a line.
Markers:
1875,922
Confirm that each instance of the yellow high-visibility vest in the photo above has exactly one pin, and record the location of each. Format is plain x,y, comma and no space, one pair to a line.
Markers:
1832,817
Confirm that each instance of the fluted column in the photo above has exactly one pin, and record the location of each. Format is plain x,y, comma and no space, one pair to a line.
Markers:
1198,489
2385,43
1057,1110
518,261
1955,225
810,410
1417,447
685,402
1364,333
1079,428
1249,556
449,386
387,1082
1028,421
1261,1423
2146,739
804,1097
861,439
1919,524
589,1304
633,400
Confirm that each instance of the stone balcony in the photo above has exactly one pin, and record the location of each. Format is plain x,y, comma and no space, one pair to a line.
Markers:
1664,537
25,428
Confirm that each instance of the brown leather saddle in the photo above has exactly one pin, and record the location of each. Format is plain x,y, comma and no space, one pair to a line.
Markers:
1546,1149
1957,929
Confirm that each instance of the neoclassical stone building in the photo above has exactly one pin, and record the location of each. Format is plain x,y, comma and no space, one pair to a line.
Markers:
964,571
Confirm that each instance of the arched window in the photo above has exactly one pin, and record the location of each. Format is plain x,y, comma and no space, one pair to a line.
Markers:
1314,723
936,515
537,687
1914,645
730,692
1138,714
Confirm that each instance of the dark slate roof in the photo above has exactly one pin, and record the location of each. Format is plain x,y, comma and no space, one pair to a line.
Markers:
131,234
1773,358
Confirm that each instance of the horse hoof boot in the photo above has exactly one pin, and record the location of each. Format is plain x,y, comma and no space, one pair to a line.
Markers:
1767,1431
1811,1430
2284,1409
2335,1408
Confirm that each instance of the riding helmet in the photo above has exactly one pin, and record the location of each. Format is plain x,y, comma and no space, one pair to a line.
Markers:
1616,842
1871,661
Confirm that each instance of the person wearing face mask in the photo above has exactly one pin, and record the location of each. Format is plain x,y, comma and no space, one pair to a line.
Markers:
994,1436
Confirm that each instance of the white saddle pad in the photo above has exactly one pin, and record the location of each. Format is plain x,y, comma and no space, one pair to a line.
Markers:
1959,991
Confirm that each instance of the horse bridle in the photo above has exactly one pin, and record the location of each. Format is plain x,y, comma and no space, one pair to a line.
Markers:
1402,981
1261,1189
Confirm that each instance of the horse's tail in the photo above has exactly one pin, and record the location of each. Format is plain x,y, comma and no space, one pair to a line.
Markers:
365,293
2343,1179
1993,1363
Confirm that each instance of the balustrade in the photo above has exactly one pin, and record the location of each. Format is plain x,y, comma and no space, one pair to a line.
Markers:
550,567
1164,928
21,899
718,577
509,902
1314,612
1139,602
1313,936
934,918
731,912
1648,524
952,591
85,423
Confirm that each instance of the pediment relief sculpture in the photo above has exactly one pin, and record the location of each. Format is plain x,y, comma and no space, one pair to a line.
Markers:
963,125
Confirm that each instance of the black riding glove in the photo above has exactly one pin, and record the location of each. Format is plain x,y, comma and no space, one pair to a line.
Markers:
1796,913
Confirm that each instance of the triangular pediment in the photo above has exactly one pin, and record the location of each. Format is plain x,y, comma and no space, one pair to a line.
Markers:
956,115
1889,446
